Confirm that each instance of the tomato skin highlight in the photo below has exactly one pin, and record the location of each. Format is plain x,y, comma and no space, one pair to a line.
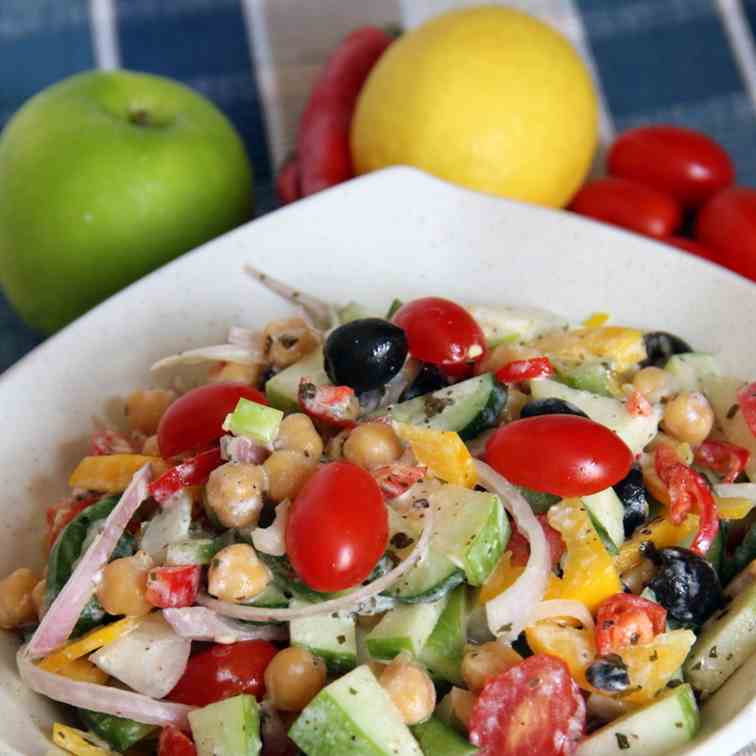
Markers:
727,224
565,455
686,164
224,671
337,528
441,332
534,707
626,620
194,420
630,205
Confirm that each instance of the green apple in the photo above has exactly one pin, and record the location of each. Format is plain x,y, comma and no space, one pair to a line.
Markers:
104,177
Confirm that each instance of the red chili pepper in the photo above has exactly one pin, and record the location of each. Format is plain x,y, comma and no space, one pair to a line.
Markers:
173,587
520,547
335,405
638,405
688,491
625,620
287,182
525,370
747,401
724,458
323,144
193,472
394,480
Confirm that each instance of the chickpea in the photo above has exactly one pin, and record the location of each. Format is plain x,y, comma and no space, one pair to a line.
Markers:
16,604
236,574
654,383
373,444
297,433
287,341
502,354
481,663
462,702
293,678
124,584
688,417
287,472
410,688
235,372
235,493
145,408
150,446
38,598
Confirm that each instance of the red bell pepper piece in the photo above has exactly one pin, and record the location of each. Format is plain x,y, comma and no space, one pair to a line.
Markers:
287,183
173,742
334,405
724,458
518,371
394,480
625,620
192,472
323,143
172,587
638,405
688,492
747,403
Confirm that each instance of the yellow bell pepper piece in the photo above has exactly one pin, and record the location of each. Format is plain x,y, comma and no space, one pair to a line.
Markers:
575,646
112,473
77,742
661,532
442,452
84,671
733,508
93,640
589,574
596,320
623,347
650,666
502,577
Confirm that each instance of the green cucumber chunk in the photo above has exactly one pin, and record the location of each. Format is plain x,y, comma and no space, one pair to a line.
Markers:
227,728
606,510
669,722
330,636
505,325
725,642
282,390
404,628
540,501
436,738
691,368
119,732
255,421
192,551
393,307
443,651
586,376
353,715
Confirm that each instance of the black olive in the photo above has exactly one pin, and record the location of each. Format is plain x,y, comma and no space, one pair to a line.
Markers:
428,379
550,407
685,584
365,354
632,494
660,346
608,673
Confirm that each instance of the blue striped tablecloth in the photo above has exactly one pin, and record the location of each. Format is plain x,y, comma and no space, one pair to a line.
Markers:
691,62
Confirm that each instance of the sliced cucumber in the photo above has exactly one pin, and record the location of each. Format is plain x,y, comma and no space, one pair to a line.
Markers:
635,430
468,408
587,376
436,738
227,728
607,514
282,390
725,642
691,368
271,598
669,722
192,551
405,628
502,325
444,649
540,501
329,636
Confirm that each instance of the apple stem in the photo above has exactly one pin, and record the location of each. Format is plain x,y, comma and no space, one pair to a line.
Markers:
139,117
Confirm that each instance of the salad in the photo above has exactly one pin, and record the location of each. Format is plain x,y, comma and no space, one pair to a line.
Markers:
437,530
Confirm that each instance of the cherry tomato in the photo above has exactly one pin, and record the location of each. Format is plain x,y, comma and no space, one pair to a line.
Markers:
525,370
625,620
565,455
441,332
194,420
535,707
337,527
683,163
224,671
629,204
173,742
694,247
520,547
727,225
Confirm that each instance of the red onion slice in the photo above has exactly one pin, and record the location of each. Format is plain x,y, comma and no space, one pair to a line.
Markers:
120,703
242,449
511,611
201,624
344,603
64,612
563,608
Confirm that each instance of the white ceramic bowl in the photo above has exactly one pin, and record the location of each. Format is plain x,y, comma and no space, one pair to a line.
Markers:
394,233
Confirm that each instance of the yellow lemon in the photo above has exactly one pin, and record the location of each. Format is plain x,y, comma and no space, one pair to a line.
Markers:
486,97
